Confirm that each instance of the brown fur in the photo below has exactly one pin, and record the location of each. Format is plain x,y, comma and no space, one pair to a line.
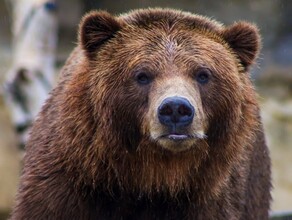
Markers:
92,155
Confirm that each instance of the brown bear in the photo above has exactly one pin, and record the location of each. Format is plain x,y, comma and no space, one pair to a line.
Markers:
154,117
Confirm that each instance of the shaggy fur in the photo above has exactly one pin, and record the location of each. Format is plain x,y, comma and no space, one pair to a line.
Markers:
93,153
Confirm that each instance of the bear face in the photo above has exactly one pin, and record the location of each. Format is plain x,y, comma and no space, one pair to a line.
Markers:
169,86
149,62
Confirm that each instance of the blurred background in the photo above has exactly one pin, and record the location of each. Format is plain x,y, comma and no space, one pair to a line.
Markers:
36,37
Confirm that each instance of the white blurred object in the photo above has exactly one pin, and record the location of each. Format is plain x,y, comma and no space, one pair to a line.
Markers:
35,35
33,67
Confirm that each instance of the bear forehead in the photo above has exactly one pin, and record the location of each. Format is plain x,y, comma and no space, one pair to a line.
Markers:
157,47
154,27
173,49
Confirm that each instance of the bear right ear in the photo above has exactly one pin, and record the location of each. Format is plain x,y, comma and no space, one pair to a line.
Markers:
95,29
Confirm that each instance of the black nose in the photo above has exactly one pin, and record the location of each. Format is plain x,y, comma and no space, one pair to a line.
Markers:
176,111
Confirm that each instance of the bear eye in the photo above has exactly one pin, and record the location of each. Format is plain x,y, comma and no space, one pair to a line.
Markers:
203,76
143,78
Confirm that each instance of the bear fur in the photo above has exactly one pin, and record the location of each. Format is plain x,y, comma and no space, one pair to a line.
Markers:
97,150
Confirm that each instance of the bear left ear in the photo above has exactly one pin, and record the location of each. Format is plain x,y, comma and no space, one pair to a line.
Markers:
245,40
95,29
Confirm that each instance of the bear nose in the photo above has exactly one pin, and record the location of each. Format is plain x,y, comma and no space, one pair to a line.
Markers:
176,111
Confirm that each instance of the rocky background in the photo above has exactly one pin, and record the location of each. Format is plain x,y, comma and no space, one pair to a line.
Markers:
272,76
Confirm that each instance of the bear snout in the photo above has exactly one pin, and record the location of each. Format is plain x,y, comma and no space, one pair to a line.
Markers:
176,113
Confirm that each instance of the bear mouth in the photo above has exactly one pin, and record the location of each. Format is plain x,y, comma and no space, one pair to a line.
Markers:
182,137
177,137
178,142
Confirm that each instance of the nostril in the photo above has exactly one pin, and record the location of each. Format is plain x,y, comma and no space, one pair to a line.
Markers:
184,110
166,110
